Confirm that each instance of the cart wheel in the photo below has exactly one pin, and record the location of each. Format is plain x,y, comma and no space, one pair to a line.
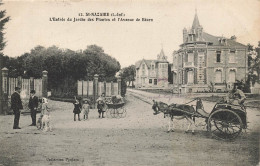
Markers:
118,113
122,112
113,113
108,115
225,124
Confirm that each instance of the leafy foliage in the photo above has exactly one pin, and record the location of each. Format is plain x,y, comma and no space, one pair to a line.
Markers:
64,67
128,74
3,21
253,63
123,87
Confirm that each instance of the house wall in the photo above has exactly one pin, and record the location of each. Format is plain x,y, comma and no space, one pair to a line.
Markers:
240,64
160,74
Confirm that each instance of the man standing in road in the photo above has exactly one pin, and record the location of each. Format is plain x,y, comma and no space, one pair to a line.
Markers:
33,105
16,105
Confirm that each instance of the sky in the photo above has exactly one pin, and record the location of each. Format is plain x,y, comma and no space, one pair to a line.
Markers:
128,42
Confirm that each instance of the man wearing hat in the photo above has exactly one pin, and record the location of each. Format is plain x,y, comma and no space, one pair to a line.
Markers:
16,105
236,94
33,105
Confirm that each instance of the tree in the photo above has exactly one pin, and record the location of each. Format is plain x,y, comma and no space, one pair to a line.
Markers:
98,62
253,63
64,67
3,21
128,74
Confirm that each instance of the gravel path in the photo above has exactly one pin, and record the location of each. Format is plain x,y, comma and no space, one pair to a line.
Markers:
138,139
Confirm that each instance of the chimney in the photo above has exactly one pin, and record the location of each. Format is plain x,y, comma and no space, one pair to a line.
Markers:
233,38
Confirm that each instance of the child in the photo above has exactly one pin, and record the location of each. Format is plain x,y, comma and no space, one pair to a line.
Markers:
101,105
85,109
77,109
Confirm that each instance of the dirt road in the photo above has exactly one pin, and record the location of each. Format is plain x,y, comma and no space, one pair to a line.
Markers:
138,139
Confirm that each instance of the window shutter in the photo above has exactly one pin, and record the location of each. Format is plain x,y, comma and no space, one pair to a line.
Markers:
185,76
195,76
205,75
195,59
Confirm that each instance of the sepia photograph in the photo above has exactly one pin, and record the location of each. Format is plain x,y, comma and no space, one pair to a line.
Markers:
129,83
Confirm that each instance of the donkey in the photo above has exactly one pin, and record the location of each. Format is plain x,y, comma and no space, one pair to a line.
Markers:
175,111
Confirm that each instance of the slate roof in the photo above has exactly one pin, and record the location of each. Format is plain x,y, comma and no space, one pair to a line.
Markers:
215,41
148,63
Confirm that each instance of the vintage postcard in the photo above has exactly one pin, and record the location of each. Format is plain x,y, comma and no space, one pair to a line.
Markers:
122,83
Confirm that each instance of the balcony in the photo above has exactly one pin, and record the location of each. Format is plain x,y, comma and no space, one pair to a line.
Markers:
188,65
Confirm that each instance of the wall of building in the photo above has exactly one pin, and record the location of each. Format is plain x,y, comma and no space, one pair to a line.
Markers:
239,64
160,74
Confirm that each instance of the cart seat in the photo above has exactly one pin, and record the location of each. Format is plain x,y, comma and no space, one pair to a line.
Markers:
203,113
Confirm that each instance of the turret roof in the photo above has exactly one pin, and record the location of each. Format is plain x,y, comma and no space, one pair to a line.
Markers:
196,22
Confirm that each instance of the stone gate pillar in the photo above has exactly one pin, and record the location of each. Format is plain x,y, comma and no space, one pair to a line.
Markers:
119,85
5,86
4,92
95,90
44,84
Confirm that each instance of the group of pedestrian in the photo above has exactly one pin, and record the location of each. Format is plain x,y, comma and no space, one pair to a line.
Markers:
81,106
84,106
16,106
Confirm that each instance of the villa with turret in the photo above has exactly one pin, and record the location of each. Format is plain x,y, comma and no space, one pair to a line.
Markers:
152,73
207,63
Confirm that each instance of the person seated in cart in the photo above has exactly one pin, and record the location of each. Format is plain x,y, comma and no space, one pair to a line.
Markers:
235,95
101,105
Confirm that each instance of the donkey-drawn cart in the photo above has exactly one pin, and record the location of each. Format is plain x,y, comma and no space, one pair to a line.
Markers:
225,121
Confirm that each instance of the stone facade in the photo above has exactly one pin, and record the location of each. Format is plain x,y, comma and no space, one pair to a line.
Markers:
207,63
152,73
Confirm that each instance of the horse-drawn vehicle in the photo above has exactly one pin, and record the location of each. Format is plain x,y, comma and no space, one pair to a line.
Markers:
225,121
115,107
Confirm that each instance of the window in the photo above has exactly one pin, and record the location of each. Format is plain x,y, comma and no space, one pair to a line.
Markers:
152,67
143,66
218,76
190,57
150,81
143,72
143,81
218,58
232,57
190,77
155,81
232,76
